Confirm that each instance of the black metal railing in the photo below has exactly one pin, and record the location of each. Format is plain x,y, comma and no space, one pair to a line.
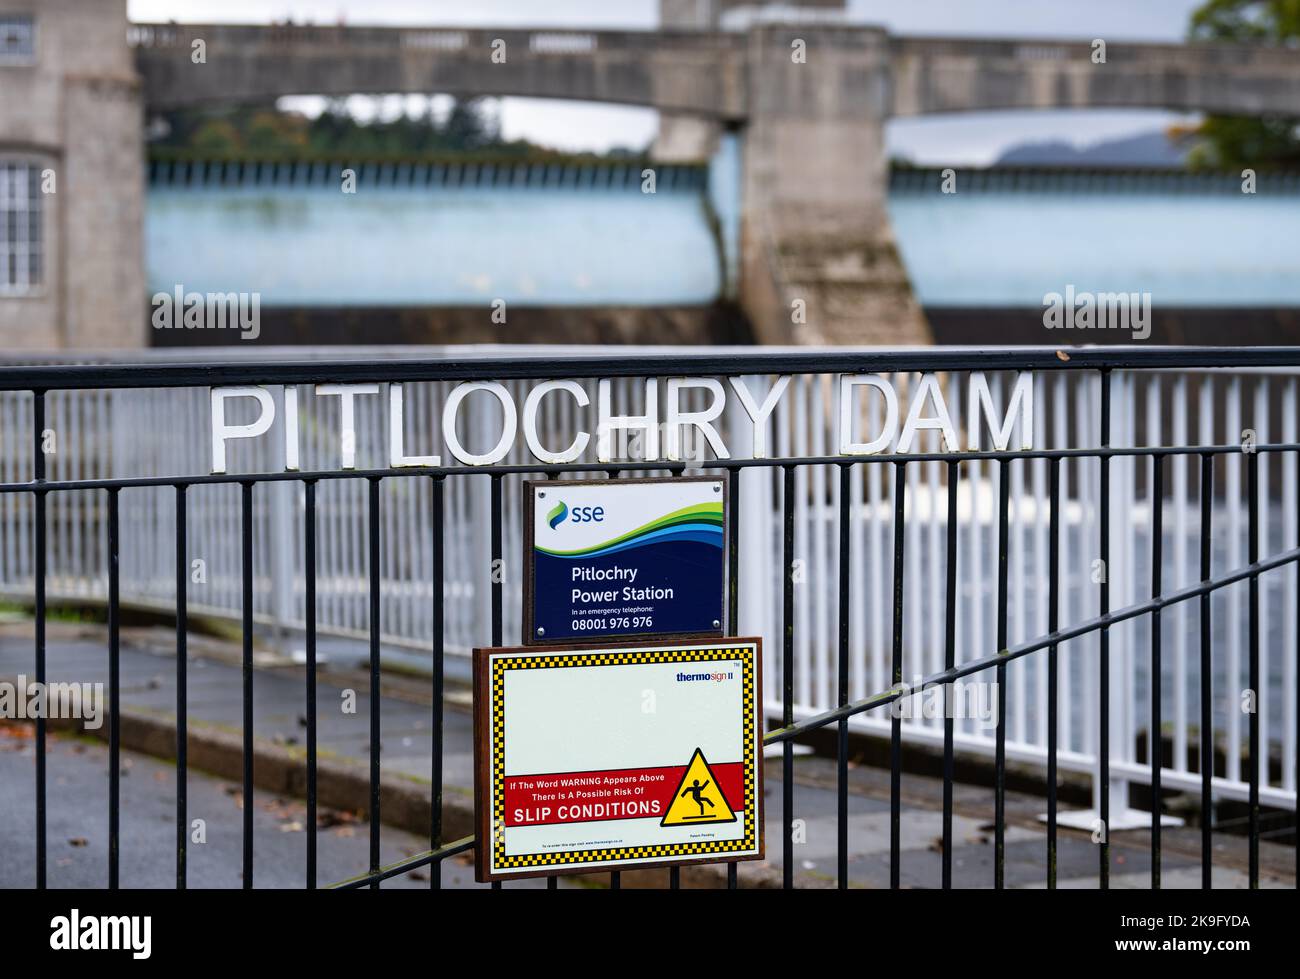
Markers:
39,381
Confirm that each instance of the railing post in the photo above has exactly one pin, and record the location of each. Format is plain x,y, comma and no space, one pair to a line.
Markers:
283,538
755,522
1119,488
480,503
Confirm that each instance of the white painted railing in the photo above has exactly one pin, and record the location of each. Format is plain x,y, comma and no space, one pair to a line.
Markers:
165,432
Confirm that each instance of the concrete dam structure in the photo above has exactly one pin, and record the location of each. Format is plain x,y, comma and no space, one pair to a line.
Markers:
817,259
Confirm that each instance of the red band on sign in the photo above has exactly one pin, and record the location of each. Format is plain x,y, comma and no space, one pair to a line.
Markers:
623,793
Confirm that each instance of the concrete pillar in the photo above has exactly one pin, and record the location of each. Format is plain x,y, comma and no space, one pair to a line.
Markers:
691,139
686,139
689,15
817,244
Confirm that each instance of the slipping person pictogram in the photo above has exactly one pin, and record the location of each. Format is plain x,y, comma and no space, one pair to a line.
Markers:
698,798
696,791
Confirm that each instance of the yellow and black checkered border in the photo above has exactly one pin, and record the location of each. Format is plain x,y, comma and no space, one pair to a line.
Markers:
496,732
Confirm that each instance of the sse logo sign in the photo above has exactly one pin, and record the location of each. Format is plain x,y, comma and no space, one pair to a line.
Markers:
581,514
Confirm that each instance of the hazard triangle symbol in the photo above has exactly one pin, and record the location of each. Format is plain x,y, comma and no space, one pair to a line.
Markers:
698,799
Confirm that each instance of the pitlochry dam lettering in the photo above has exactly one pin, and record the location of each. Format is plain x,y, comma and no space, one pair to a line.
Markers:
660,430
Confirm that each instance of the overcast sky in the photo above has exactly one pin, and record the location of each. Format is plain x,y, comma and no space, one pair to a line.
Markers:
965,139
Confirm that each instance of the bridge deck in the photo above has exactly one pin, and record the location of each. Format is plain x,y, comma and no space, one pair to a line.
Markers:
705,73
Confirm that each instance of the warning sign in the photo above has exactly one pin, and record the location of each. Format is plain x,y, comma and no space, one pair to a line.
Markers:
698,789
617,757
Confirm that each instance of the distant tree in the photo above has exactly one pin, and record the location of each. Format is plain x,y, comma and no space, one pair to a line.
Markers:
1233,142
467,128
266,131
270,132
215,136
1247,20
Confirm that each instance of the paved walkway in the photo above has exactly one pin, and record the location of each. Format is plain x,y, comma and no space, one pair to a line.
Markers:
77,827
78,788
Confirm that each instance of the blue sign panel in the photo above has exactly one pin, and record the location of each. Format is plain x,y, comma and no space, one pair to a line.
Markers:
622,558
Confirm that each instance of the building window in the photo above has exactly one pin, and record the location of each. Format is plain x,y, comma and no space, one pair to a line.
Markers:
20,228
17,40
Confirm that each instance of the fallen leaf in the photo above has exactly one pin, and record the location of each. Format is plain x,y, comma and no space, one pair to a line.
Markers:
19,732
334,817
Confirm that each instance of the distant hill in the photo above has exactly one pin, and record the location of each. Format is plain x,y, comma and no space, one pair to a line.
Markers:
1153,149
